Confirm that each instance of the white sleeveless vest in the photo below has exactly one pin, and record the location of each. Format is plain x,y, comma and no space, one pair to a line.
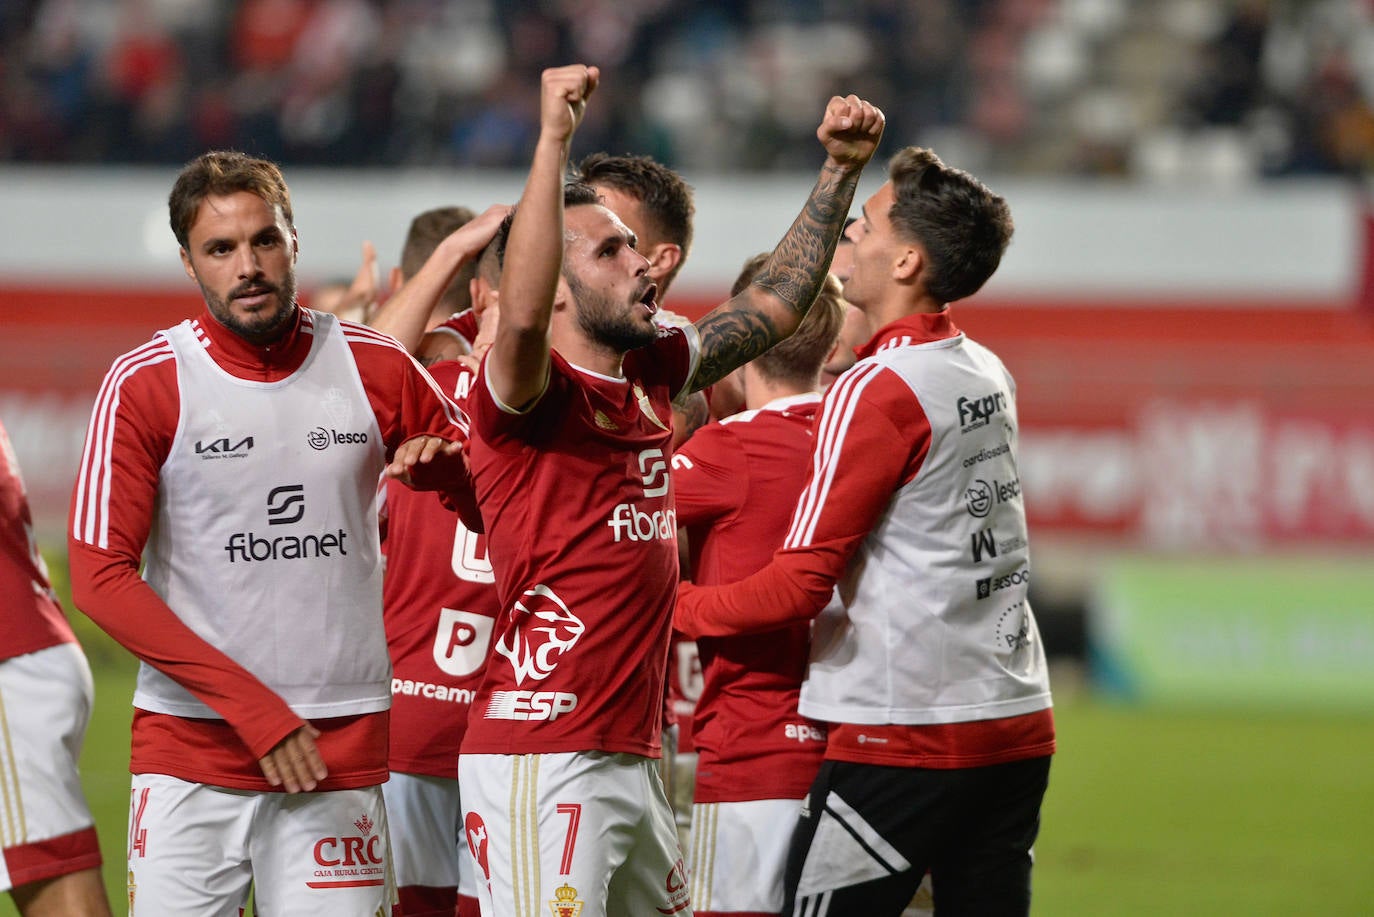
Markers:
931,623
265,541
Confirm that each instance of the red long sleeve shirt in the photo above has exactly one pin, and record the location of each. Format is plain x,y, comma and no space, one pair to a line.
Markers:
132,430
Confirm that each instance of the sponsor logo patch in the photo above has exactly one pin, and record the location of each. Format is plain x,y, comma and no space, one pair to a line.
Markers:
530,705
988,585
352,860
679,898
320,438
285,506
224,447
630,522
1013,628
981,496
978,412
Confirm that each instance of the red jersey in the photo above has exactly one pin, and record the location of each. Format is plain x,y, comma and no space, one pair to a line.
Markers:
874,439
736,484
462,325
31,619
439,600
133,429
582,533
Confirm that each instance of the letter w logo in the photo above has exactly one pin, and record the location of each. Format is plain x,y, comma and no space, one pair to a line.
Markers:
983,543
286,504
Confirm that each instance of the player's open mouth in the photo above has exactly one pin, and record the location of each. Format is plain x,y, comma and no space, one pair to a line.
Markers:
649,297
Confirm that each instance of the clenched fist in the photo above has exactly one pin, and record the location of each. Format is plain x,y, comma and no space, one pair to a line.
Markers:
563,98
850,131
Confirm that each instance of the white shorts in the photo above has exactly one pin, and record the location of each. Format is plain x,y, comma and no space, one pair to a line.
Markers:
427,844
46,828
586,833
195,849
738,853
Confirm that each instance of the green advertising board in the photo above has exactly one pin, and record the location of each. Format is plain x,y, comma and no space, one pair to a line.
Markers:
1264,632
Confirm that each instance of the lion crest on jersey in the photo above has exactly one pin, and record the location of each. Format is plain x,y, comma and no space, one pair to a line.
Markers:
544,630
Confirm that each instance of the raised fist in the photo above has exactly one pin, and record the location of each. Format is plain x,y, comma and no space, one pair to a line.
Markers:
563,98
850,130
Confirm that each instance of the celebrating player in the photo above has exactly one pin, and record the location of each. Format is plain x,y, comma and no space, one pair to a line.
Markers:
562,799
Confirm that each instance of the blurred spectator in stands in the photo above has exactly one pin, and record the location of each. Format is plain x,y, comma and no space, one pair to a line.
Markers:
1229,84
1186,90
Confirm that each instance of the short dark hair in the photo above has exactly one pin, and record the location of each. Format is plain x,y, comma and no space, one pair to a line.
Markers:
220,172
798,358
493,258
426,231
665,197
963,227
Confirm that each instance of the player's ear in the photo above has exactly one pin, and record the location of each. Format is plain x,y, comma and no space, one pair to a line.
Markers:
187,265
482,295
395,279
295,246
908,264
663,258
562,296
477,288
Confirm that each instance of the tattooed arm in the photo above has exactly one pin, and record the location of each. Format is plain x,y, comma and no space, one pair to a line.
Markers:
772,306
691,412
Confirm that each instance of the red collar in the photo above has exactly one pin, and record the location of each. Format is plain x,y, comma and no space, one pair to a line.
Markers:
917,328
248,360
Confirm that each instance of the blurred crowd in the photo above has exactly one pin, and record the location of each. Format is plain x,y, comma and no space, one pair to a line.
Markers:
1226,90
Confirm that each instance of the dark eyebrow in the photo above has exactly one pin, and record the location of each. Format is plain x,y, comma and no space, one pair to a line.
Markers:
626,237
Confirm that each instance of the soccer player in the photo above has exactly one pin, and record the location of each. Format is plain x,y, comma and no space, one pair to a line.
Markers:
236,458
656,205
735,483
439,601
908,546
431,311
50,862
562,800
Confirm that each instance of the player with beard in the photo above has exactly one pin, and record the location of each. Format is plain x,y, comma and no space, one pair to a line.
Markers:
655,203
563,803
236,458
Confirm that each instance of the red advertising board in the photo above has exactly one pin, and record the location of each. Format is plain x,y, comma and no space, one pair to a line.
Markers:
1167,424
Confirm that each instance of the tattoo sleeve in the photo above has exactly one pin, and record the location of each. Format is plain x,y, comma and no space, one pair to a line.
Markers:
690,414
740,330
